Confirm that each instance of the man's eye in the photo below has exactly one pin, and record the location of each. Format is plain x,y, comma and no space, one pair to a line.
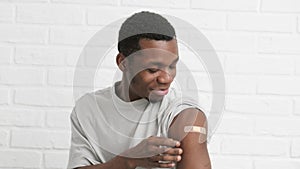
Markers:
152,70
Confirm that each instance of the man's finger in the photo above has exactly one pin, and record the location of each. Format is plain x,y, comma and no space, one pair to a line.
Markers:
163,165
166,158
173,151
163,141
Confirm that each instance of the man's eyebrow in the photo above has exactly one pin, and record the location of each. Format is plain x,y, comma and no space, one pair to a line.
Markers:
160,64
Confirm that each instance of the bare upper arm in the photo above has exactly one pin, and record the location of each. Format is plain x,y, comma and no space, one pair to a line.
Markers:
195,154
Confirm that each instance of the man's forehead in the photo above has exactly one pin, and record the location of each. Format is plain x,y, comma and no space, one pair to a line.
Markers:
155,58
164,45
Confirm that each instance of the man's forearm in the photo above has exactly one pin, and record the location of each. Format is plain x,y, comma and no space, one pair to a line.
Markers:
117,162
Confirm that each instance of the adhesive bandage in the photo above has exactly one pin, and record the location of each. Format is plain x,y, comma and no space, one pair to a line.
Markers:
197,129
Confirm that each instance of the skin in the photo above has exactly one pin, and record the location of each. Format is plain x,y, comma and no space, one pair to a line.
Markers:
148,74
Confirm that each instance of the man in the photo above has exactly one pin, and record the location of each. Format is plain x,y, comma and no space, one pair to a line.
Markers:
140,122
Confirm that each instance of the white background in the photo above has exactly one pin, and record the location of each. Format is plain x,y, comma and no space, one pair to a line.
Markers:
257,41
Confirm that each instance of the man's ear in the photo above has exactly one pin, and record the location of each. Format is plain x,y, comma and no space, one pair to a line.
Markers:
121,62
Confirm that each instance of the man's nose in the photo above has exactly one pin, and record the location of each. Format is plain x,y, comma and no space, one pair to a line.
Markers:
165,77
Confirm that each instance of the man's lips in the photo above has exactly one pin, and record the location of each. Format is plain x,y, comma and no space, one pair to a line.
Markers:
160,92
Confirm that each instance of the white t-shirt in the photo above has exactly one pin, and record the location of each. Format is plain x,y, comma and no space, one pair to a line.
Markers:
104,126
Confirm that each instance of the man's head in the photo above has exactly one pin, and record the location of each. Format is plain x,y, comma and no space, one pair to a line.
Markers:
143,25
148,55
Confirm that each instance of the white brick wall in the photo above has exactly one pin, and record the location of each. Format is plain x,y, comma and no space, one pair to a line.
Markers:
22,117
6,54
14,33
56,159
295,148
280,6
50,14
255,146
238,5
6,13
20,158
257,42
262,22
4,134
4,96
39,139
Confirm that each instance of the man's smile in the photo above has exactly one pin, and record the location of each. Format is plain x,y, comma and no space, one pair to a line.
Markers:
160,92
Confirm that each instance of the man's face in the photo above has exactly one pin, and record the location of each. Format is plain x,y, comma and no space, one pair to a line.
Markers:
152,69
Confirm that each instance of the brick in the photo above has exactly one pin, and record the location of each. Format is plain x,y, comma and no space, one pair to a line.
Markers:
298,23
297,107
195,61
45,55
295,148
237,5
100,2
70,36
259,64
58,119
106,77
60,76
220,162
22,117
25,138
297,65
199,19
85,77
4,135
6,55
280,6
278,126
44,97
26,1
50,14
157,3
25,34
205,100
279,85
261,22
231,42
101,77
255,146
202,80
96,56
279,44
259,105
214,144
276,164
20,158
74,60
23,76
95,14
4,96
190,60
6,13
236,125
56,159
241,84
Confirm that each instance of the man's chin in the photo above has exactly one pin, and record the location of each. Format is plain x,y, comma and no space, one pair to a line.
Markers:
155,98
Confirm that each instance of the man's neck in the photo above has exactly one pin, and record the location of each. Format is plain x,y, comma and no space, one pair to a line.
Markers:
122,91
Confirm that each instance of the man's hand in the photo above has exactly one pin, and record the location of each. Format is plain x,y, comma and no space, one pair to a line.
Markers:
154,152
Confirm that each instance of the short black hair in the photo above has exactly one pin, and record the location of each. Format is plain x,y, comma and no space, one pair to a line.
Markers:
143,25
